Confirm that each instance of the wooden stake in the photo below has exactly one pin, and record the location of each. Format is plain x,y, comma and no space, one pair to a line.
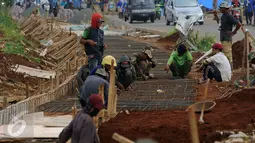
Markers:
40,85
244,48
115,100
57,78
119,138
201,120
193,125
74,111
5,102
27,90
51,83
247,60
101,114
111,96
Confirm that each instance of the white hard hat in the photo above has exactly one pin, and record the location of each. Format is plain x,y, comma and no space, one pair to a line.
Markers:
224,4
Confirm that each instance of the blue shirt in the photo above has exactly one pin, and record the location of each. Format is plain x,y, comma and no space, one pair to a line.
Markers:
248,4
91,86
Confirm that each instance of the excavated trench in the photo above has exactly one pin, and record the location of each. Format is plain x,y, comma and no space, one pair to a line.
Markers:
178,94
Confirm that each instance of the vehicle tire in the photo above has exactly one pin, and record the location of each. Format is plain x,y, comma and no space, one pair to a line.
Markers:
201,23
130,19
167,22
152,19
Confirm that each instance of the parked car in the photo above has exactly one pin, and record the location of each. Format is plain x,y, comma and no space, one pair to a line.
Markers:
140,10
186,7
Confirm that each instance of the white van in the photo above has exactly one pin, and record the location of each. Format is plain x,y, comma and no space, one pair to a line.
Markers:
186,7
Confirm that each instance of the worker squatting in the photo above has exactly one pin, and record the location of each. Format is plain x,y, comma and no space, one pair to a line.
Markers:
137,67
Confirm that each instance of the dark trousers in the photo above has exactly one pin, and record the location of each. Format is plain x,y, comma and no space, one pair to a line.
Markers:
248,16
212,72
94,62
180,70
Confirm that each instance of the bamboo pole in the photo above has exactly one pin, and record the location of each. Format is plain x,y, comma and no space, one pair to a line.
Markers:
51,83
101,114
201,120
111,96
247,60
244,58
121,139
193,125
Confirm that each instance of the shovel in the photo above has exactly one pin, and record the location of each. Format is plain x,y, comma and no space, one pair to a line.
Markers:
201,120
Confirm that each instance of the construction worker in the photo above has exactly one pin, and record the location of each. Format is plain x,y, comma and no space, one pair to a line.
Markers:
82,129
81,76
93,41
106,64
143,62
92,84
180,62
216,67
126,72
226,26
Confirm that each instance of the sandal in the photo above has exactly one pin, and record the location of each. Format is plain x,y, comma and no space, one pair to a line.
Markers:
201,81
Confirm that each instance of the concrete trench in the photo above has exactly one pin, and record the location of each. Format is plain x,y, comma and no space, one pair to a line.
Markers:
178,94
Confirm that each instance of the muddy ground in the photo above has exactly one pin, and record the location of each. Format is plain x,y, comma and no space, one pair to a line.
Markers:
231,113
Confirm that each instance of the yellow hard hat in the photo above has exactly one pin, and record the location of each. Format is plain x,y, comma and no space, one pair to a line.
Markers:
107,60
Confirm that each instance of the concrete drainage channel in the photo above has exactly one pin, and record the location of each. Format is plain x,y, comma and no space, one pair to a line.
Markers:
175,94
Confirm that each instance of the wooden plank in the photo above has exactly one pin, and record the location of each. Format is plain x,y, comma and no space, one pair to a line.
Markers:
34,72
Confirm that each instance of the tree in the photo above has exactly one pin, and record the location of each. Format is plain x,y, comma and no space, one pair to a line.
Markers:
7,3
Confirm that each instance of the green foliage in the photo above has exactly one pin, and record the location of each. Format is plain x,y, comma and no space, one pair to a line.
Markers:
203,43
172,31
14,48
7,3
13,38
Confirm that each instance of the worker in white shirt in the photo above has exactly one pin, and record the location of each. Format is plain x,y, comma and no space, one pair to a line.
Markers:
217,66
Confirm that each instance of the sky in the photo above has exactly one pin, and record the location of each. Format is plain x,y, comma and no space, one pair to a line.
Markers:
208,3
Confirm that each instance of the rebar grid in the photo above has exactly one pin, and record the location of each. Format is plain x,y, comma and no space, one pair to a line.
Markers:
173,94
178,94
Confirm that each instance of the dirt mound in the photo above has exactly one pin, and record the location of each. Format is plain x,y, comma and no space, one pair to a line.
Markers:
172,126
168,42
170,39
237,51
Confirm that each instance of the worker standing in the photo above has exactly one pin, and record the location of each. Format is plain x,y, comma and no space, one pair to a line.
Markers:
180,62
93,41
248,9
82,129
216,67
227,22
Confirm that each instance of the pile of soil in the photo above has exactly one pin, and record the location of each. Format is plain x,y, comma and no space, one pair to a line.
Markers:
168,42
232,113
237,51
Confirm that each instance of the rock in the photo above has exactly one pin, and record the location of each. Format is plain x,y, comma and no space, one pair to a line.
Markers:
239,135
237,140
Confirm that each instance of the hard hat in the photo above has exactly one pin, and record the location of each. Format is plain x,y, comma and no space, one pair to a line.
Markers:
107,60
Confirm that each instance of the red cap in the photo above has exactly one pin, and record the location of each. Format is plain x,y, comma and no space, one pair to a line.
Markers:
96,101
217,46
